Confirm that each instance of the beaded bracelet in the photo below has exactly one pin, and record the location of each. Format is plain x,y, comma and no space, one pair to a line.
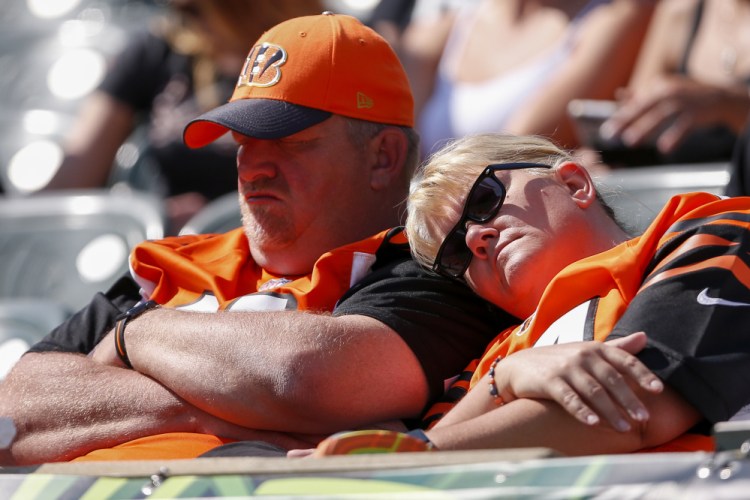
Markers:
494,392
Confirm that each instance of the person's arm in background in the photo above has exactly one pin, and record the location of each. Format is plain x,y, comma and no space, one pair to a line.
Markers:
609,37
108,115
422,44
662,105
100,129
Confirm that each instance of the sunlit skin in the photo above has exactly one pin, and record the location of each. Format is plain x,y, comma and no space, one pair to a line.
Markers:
545,224
295,189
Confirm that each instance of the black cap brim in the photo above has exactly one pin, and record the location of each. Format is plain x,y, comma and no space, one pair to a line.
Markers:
258,118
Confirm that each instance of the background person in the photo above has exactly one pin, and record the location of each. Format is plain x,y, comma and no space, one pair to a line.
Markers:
185,63
310,319
688,98
514,65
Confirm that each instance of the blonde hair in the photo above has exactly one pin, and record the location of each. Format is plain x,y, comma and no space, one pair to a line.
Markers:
443,182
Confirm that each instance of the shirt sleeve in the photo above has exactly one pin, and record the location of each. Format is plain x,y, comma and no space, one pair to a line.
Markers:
82,331
137,74
443,322
694,306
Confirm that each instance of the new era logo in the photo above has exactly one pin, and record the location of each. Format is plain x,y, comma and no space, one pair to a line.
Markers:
364,101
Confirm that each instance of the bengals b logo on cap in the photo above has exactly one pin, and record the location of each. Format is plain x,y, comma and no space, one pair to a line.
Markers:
305,69
262,67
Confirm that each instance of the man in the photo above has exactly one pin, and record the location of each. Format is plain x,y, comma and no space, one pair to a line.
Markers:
322,114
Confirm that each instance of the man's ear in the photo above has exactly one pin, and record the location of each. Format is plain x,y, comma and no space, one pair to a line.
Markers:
579,183
389,148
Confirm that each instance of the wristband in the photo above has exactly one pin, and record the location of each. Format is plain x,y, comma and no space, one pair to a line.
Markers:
122,320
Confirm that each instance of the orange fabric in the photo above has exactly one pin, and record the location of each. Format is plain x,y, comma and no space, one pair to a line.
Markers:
686,442
331,63
212,272
170,446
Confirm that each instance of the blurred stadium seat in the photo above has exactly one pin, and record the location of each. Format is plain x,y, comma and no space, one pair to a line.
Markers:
67,246
52,53
638,194
23,322
219,216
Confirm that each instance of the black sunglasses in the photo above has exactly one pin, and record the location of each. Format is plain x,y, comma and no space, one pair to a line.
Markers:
483,202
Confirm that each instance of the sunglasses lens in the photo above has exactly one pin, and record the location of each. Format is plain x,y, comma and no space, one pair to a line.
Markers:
485,200
455,254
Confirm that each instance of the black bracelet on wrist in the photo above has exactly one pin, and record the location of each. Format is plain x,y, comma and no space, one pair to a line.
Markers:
122,320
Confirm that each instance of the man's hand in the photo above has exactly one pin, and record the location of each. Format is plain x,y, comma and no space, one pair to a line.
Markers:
589,379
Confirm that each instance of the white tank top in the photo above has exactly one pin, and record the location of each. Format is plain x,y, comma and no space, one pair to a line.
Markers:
456,109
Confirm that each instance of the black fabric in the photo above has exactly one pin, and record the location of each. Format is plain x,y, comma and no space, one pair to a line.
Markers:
697,17
157,83
739,177
396,11
82,331
443,322
700,350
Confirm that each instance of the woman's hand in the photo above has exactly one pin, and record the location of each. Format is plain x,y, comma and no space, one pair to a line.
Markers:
667,111
589,379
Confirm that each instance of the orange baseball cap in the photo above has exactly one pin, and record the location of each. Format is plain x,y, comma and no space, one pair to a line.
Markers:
305,69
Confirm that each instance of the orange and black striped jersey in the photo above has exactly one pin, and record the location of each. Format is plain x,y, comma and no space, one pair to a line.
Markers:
208,273
685,282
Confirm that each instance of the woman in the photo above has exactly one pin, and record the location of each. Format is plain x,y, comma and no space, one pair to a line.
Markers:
513,65
521,223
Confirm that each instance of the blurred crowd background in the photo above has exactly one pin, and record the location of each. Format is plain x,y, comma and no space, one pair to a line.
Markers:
53,54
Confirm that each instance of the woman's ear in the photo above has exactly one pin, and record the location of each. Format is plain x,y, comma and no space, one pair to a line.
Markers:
578,182
390,148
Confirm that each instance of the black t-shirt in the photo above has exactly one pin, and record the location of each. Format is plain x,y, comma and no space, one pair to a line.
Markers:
444,323
694,307
157,82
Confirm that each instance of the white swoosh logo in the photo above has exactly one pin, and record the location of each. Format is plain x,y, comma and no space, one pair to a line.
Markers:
705,300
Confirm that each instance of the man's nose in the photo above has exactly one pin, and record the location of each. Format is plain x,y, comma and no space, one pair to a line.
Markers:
256,158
